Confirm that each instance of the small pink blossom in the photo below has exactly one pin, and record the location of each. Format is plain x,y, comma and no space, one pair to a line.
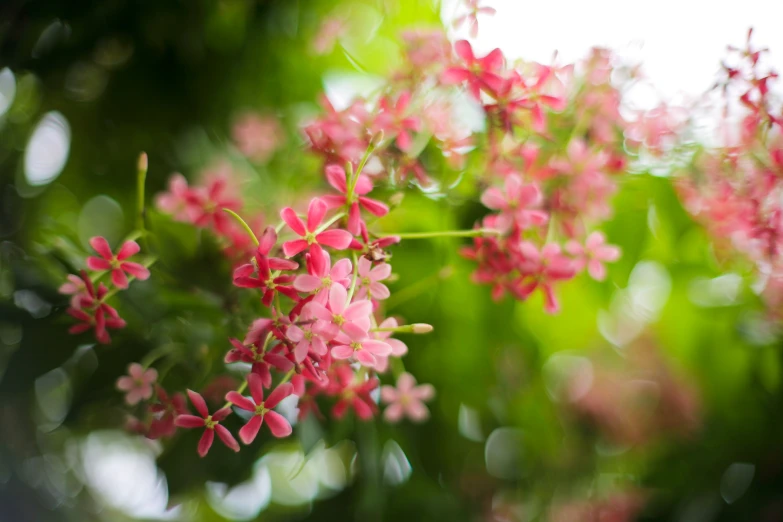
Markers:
407,399
137,385
471,18
262,409
516,204
117,264
321,275
257,137
210,423
369,280
354,342
310,233
479,73
593,255
336,177
340,312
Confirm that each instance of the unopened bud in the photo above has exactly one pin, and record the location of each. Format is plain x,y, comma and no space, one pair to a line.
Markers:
376,139
143,162
421,328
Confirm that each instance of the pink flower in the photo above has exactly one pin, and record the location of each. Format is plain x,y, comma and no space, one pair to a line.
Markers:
593,255
541,269
354,393
310,233
514,203
336,177
137,385
117,264
471,18
407,399
179,200
257,137
262,409
321,275
209,200
92,312
355,342
328,34
369,279
478,73
340,312
75,287
264,264
210,423
398,348
393,119
261,360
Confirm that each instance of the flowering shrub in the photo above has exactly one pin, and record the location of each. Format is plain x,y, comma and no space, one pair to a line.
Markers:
548,156
304,289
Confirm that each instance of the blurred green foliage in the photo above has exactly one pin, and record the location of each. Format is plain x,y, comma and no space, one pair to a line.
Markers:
167,77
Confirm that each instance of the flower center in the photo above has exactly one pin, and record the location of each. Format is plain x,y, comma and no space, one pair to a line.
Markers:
366,281
209,423
356,346
310,238
261,410
339,320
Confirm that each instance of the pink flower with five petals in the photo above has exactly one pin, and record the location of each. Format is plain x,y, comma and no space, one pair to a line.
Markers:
262,409
117,264
137,385
407,399
593,255
310,233
210,423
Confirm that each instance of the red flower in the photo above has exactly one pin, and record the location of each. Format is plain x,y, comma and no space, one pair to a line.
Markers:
263,266
117,264
479,73
335,175
262,409
311,234
354,394
210,423
541,269
93,312
393,120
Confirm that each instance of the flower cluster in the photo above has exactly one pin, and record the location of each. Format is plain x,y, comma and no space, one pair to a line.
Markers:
554,150
323,283
88,296
202,205
735,188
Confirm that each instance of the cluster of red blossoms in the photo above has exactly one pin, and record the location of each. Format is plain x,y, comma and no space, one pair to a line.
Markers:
552,145
735,189
202,205
88,296
555,143
325,335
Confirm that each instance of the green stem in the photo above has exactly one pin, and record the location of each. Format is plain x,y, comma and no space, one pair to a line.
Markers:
148,263
329,223
141,179
244,225
355,177
239,391
479,232
355,259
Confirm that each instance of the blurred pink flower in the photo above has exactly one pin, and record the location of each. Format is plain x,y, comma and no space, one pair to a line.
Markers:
137,385
407,399
257,137
471,18
593,255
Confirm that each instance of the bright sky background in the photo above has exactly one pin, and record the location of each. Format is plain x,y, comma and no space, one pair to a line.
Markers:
680,42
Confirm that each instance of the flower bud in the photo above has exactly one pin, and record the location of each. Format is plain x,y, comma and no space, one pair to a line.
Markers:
421,328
